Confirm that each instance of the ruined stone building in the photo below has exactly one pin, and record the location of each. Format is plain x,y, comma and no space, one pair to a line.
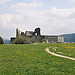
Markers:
37,35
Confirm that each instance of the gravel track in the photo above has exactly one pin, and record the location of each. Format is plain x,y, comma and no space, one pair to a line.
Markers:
47,50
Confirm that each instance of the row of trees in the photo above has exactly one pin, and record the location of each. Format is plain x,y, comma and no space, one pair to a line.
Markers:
24,40
21,40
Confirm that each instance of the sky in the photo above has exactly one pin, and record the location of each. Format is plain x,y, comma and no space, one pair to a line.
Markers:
54,17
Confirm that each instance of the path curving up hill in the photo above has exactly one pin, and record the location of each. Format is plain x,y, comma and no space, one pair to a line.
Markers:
47,50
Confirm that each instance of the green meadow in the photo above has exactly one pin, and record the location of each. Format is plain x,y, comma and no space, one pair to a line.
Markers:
32,59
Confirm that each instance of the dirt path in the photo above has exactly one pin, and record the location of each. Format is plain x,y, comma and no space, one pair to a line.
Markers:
47,50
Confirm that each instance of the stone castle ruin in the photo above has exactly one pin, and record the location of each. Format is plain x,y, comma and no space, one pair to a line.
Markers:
37,37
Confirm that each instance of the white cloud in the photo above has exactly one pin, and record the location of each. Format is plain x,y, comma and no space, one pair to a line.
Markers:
37,1
73,0
62,13
52,21
8,24
4,1
27,5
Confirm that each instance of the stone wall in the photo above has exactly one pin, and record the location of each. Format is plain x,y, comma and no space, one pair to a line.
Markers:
36,36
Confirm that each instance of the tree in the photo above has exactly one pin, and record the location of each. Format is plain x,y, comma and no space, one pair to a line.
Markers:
1,41
44,40
21,40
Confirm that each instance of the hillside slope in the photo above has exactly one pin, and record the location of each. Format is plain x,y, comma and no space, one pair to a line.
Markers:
69,37
32,59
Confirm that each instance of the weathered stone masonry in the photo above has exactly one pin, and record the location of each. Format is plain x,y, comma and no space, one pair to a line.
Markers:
36,34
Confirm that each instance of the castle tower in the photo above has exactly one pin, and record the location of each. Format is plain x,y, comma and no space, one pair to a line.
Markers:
37,31
18,32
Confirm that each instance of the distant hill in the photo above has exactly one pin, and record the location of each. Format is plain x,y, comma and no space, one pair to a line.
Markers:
69,37
6,41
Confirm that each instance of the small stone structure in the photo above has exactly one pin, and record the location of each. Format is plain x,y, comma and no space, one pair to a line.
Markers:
37,35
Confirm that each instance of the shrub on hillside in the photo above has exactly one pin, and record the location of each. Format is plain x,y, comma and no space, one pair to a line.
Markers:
1,41
45,40
21,40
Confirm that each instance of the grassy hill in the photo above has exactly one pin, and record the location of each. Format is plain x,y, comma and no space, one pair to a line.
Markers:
69,37
32,59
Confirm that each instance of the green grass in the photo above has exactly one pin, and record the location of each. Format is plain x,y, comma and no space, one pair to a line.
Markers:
30,59
66,49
